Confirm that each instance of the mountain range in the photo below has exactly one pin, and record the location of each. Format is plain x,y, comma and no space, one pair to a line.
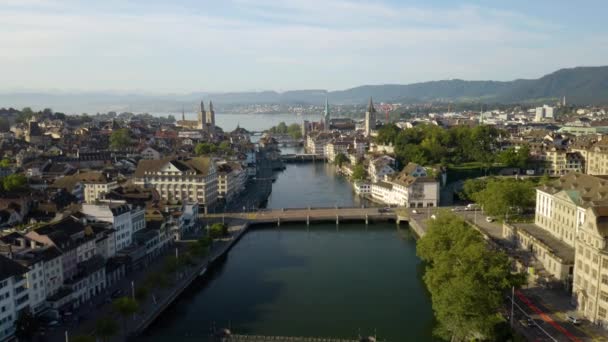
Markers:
580,85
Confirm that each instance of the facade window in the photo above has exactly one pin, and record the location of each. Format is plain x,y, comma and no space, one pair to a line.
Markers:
601,312
604,296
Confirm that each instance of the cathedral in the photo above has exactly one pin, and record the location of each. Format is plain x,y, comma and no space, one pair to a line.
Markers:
205,122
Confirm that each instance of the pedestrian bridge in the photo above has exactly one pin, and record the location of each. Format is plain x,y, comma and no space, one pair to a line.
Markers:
302,158
310,215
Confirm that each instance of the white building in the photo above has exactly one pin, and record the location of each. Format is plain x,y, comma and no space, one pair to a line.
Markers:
149,153
232,178
380,167
413,187
188,179
337,146
14,295
119,215
316,141
96,184
543,112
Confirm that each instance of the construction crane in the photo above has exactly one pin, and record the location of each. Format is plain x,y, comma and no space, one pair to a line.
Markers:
386,107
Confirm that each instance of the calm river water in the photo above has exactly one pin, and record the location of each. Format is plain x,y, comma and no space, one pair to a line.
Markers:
323,280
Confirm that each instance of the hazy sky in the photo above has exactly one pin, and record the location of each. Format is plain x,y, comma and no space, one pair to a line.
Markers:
235,45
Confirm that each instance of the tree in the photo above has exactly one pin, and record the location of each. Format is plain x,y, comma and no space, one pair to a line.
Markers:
171,264
157,280
225,147
340,159
141,293
359,172
5,126
126,307
472,187
26,325
120,139
5,163
387,134
205,148
466,279
295,131
217,230
82,338
507,196
106,328
14,182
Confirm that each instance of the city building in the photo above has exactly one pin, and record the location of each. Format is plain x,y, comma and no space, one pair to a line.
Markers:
119,215
150,154
96,185
380,167
14,295
180,179
413,187
231,180
316,141
337,146
543,112
559,161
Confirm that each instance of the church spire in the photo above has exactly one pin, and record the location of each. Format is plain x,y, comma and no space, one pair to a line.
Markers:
203,106
210,106
370,106
183,114
326,107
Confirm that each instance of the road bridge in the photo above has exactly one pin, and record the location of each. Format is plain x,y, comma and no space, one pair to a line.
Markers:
302,158
308,215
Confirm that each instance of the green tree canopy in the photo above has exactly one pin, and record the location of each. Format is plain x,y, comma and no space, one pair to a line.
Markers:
340,159
126,307
26,325
106,328
218,230
205,148
466,279
295,131
225,147
120,139
387,134
14,182
506,196
5,162
359,172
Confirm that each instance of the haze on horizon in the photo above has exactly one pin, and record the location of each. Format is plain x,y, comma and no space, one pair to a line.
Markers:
237,45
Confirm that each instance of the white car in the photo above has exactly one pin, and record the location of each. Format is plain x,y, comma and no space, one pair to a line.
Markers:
573,320
489,219
414,211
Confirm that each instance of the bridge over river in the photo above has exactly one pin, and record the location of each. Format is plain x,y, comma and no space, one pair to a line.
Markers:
309,215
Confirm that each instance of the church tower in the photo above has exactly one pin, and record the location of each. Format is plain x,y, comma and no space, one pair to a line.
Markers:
211,118
326,116
201,117
370,118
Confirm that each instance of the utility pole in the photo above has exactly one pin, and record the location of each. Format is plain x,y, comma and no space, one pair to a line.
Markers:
133,289
512,304
67,338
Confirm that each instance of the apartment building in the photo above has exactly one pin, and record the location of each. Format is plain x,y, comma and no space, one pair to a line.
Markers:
96,184
14,295
232,178
380,167
120,215
187,179
559,161
316,141
413,187
337,146
573,211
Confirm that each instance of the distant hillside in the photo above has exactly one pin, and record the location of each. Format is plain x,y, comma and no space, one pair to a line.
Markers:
581,85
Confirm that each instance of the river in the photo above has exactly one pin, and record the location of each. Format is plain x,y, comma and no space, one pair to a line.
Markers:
323,280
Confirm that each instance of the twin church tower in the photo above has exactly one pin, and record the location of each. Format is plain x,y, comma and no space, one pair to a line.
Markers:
206,119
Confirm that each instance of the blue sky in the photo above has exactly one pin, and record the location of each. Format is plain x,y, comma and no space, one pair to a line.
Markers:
248,45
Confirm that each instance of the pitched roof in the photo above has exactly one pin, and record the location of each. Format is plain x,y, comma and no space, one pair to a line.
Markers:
584,190
10,268
199,165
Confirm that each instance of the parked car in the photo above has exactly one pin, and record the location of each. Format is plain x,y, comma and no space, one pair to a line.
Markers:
573,320
489,219
414,211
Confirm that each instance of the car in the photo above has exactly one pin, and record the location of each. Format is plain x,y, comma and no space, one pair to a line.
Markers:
455,209
489,219
573,320
414,211
433,217
116,293
52,323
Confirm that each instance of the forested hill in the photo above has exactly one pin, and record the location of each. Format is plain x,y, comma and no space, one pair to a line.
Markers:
581,85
